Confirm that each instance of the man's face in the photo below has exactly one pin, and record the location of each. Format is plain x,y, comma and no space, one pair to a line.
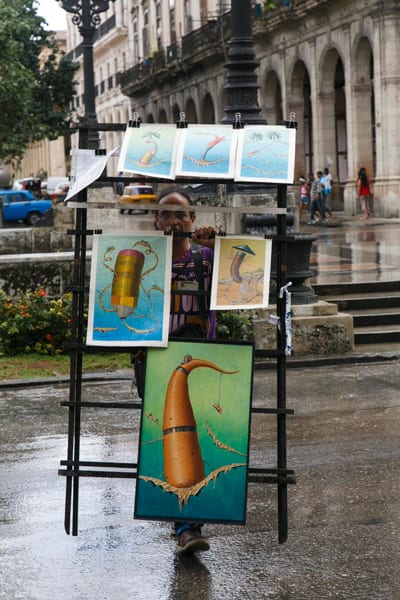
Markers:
174,220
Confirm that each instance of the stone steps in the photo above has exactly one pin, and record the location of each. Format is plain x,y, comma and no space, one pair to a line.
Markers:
374,306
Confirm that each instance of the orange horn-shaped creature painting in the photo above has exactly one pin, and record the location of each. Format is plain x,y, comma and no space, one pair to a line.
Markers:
183,462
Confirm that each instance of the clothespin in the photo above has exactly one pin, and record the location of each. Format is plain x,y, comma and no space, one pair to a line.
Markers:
135,121
181,122
291,124
238,124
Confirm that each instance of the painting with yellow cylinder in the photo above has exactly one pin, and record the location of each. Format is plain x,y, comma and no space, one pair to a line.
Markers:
194,438
241,276
129,290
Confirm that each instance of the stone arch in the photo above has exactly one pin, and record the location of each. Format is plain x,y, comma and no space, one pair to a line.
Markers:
299,102
191,112
208,110
176,110
333,118
150,118
162,116
272,99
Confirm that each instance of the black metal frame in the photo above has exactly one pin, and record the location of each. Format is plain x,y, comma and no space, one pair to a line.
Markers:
73,466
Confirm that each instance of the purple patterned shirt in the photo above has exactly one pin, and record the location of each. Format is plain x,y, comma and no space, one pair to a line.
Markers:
185,307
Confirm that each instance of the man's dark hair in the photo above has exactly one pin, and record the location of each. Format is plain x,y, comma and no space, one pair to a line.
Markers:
181,191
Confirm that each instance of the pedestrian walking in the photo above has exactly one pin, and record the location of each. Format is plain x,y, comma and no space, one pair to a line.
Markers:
326,180
190,315
364,192
304,195
317,206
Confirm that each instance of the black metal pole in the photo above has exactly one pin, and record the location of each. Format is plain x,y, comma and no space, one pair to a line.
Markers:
242,87
281,370
87,33
86,17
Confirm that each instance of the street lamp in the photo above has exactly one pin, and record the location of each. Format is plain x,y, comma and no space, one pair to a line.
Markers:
242,87
86,18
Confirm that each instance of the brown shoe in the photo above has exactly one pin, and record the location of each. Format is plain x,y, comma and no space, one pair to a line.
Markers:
191,541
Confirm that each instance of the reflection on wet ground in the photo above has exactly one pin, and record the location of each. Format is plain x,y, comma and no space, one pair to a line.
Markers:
356,252
344,512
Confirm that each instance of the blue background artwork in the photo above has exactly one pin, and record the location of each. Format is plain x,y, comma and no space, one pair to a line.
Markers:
149,321
207,151
149,150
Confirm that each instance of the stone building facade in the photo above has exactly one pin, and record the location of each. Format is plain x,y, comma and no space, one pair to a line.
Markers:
334,63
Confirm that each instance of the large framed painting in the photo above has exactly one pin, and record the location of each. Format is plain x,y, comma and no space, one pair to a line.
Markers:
194,435
129,295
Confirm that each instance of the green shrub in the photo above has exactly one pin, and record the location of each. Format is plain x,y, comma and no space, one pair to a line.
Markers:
235,325
37,324
34,323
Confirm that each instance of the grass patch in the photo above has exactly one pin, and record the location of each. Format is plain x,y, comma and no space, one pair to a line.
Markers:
31,366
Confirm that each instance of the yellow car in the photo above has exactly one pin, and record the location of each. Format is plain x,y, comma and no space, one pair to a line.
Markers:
136,195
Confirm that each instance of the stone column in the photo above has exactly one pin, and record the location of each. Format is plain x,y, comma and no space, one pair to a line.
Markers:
360,149
387,84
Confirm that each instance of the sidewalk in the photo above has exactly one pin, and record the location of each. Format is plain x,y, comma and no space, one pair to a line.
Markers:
343,511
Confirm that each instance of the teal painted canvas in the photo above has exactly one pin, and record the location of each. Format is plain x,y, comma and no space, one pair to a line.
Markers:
149,150
129,293
194,438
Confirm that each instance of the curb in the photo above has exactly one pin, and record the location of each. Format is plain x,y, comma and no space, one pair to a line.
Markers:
259,365
333,359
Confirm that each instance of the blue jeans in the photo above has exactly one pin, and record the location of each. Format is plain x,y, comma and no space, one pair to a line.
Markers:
180,527
318,205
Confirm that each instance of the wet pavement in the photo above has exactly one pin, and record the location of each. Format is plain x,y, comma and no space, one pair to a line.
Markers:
350,250
344,511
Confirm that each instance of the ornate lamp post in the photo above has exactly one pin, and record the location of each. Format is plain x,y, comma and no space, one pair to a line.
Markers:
86,18
242,87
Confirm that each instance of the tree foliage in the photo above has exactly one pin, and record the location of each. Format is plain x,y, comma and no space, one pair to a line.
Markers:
36,84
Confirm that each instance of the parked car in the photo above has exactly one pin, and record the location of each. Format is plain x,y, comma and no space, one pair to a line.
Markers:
57,187
137,195
32,184
21,205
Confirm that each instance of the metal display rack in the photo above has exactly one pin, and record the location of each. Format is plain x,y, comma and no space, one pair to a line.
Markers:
74,466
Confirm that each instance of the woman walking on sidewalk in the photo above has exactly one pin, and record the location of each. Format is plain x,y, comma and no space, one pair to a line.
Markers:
364,192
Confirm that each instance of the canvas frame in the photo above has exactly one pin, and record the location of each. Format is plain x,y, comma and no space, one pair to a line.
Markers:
221,405
148,323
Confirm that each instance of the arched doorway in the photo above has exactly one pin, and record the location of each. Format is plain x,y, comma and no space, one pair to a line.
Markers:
272,99
332,132
364,104
162,116
208,112
300,104
340,124
176,111
191,113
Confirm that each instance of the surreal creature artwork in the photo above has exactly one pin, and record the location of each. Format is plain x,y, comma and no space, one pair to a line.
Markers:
149,150
241,276
129,290
194,439
257,153
206,151
266,154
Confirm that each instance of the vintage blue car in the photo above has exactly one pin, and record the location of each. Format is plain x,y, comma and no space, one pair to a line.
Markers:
21,205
